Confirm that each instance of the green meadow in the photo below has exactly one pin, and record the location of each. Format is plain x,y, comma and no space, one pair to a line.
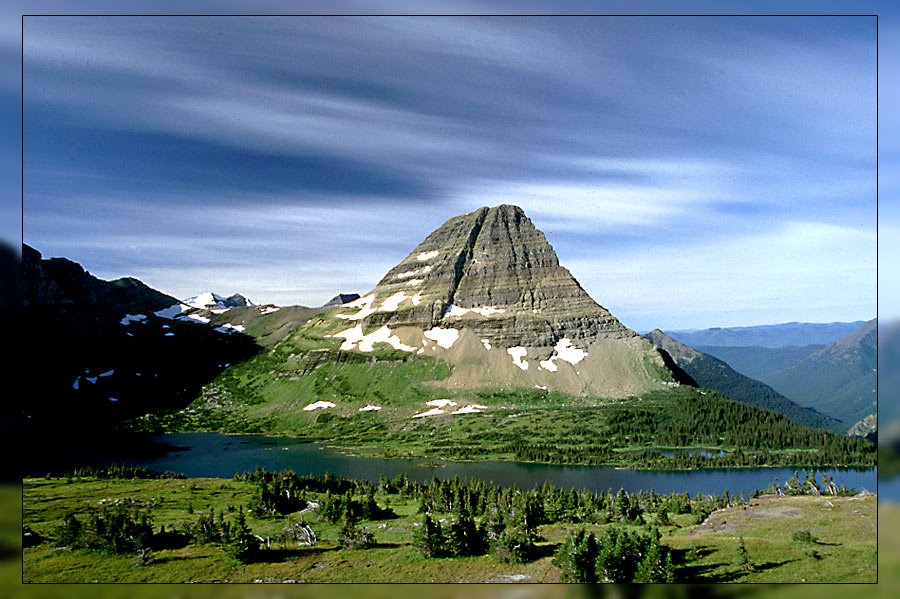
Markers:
786,539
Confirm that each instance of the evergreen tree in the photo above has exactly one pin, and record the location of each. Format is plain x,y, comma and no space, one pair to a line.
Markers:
662,516
238,542
577,557
620,552
657,565
429,538
464,538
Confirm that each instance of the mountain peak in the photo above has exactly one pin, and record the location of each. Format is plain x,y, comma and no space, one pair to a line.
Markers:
210,301
493,271
485,291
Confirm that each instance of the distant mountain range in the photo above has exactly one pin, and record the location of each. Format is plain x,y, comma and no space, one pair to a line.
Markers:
838,379
771,336
759,362
712,373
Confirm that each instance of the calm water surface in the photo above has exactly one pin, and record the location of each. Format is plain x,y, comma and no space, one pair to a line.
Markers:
222,456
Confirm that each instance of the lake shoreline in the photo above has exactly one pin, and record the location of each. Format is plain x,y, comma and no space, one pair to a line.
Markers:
217,455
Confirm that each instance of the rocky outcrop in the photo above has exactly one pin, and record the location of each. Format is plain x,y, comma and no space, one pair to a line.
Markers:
867,427
236,301
491,271
340,299
38,288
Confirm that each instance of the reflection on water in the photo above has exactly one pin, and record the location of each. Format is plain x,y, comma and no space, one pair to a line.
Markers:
223,456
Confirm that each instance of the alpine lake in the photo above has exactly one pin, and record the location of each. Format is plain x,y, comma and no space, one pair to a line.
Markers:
215,455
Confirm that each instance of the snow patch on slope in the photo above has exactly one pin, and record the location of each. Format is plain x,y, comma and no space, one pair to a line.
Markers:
443,337
198,318
431,412
319,405
129,318
355,339
230,328
471,409
564,350
440,403
172,311
393,302
482,310
427,255
365,308
517,354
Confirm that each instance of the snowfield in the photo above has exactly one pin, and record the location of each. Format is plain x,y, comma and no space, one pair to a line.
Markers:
129,318
355,339
440,403
517,354
319,405
443,337
431,412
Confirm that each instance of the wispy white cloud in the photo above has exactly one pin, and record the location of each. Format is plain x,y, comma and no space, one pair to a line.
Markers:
685,141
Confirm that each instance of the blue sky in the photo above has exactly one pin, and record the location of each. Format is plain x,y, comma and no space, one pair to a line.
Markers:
690,172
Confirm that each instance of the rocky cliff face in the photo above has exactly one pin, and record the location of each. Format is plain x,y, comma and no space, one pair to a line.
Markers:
486,292
491,271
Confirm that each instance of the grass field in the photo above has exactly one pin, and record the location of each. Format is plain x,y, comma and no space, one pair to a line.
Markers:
843,549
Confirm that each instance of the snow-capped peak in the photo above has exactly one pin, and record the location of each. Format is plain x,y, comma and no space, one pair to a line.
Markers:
209,300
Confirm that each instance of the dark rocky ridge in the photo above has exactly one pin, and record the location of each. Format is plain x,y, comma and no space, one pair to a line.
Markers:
340,299
495,257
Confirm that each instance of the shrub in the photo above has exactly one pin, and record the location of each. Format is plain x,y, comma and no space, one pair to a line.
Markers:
804,536
513,545
116,528
355,537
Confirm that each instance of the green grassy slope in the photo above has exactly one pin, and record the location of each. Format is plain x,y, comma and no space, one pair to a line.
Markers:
845,550
268,394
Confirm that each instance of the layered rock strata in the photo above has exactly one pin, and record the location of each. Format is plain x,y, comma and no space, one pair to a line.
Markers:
491,271
486,292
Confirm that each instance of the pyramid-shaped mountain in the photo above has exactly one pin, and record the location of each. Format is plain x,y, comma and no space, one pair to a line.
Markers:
494,272
486,292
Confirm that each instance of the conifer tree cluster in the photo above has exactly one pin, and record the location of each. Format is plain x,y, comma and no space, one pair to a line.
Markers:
618,555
